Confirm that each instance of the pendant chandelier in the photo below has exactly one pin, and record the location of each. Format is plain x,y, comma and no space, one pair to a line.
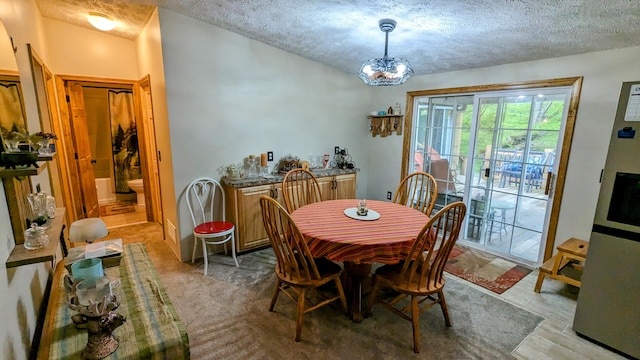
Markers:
385,71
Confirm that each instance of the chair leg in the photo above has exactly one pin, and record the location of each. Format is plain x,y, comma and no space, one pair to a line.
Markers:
300,313
276,291
195,246
233,249
443,306
204,255
541,276
343,299
415,322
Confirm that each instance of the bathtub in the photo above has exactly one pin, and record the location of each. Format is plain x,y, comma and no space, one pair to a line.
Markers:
104,190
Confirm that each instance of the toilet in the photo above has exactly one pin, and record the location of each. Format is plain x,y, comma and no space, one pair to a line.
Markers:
138,186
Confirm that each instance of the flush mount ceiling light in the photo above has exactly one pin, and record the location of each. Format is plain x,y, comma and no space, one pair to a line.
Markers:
385,71
101,21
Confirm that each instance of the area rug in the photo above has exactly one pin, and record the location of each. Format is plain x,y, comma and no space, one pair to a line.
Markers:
226,315
121,207
486,270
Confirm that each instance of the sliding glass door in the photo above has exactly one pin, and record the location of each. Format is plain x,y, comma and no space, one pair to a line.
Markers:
496,152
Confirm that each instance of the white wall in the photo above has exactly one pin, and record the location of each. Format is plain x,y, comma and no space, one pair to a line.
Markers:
229,97
74,50
603,74
7,59
149,52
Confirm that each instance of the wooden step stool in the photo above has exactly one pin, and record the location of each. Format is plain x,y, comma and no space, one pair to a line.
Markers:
573,253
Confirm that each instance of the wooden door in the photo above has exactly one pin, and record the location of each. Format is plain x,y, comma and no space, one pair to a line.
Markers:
66,151
148,149
80,134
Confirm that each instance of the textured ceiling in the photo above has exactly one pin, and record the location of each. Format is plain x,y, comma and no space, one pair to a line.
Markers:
435,36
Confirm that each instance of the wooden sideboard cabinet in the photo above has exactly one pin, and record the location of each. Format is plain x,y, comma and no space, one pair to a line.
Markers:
243,203
243,209
338,187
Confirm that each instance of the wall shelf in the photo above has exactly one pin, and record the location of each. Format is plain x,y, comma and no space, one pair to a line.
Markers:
17,185
27,170
23,170
21,256
384,125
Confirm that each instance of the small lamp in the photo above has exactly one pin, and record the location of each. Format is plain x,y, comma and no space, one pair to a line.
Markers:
87,230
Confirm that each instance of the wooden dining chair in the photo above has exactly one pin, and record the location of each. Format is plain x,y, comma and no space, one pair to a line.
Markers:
299,188
298,273
420,277
419,191
209,226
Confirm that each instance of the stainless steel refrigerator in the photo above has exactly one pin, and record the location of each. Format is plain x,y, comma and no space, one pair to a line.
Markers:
608,309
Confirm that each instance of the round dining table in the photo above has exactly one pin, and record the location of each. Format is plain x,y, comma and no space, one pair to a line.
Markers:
334,231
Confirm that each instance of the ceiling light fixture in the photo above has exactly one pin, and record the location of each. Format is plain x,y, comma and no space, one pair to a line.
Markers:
385,71
101,21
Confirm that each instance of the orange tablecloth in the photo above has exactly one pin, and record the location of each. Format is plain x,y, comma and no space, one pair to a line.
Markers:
332,234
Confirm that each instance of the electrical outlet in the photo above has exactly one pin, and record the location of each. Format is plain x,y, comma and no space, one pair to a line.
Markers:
269,155
388,195
336,150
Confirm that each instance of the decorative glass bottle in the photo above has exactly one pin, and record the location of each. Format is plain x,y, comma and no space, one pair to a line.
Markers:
38,205
253,171
398,110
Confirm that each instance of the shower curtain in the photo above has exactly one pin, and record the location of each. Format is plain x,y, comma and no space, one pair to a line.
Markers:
11,114
124,139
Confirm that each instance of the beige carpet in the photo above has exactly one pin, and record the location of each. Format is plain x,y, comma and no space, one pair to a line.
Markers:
226,316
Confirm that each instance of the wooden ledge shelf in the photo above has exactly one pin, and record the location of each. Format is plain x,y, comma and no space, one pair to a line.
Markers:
27,170
23,171
20,256
384,125
47,157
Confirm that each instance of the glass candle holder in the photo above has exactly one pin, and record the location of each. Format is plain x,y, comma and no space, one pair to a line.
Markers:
362,208
35,238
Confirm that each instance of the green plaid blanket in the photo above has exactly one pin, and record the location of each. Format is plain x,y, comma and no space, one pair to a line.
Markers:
152,329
